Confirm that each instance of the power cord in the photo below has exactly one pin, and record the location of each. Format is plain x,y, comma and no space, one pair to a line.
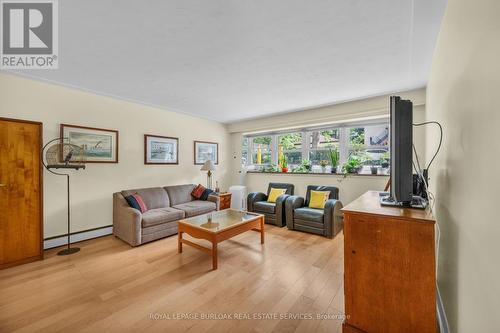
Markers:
440,138
430,195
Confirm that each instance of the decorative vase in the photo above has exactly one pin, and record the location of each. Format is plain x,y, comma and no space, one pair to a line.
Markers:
285,170
374,170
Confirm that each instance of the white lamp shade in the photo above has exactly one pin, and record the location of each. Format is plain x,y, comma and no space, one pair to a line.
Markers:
208,166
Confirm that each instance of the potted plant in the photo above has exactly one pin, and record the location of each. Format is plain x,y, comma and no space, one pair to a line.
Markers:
385,160
284,163
353,165
323,164
304,167
272,168
334,159
374,169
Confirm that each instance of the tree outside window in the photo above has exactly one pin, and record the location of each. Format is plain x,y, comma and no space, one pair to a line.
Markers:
264,143
292,148
320,143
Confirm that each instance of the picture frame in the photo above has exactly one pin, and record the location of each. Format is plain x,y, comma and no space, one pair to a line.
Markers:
100,145
206,150
161,150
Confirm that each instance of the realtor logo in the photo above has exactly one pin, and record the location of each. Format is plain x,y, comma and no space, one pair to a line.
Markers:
29,34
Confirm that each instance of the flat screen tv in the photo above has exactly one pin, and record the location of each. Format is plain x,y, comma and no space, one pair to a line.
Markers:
401,143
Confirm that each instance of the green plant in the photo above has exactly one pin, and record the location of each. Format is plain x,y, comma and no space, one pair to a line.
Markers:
334,157
305,166
272,168
323,163
352,165
283,161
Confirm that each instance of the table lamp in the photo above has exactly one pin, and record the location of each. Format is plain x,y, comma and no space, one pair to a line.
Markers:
209,166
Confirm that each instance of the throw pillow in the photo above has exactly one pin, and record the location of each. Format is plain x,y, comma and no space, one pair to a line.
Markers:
275,193
135,201
198,191
318,199
205,194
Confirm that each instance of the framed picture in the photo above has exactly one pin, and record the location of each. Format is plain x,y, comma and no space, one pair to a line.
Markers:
161,149
204,151
100,145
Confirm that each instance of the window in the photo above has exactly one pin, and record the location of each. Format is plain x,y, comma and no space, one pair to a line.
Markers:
291,144
370,144
320,144
366,142
262,144
244,151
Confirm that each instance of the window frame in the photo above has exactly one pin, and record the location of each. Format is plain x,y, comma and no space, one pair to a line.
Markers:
345,146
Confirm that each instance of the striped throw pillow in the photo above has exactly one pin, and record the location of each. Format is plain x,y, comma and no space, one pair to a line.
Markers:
135,201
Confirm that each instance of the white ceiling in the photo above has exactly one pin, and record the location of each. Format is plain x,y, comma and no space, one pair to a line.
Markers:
229,60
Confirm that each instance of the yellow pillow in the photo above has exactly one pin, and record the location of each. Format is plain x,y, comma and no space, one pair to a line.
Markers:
275,193
318,199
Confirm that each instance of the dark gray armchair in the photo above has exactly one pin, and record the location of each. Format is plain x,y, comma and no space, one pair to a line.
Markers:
327,222
274,212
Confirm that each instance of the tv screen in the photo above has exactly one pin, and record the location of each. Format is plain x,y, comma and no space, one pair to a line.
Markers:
401,134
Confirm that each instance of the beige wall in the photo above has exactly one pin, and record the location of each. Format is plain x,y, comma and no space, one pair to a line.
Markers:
92,188
462,94
348,111
349,188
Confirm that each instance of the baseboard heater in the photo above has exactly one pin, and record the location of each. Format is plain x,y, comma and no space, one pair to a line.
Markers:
56,241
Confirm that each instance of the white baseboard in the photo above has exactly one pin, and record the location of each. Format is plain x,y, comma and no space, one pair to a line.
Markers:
77,237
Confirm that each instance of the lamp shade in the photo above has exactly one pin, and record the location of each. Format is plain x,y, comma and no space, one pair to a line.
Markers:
208,166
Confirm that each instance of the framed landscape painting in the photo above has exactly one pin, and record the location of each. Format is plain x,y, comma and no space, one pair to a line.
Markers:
161,149
99,145
204,151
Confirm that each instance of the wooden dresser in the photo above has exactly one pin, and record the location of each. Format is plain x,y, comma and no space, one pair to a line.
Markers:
389,268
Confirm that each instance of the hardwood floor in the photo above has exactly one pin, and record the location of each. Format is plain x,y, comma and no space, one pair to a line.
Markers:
109,286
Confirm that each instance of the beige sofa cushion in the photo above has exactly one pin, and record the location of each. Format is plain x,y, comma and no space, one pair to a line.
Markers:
179,194
161,215
154,197
197,207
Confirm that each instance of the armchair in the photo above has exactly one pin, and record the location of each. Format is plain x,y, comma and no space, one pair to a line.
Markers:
327,222
274,212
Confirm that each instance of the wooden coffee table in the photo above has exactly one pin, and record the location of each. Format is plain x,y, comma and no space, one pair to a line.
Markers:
217,227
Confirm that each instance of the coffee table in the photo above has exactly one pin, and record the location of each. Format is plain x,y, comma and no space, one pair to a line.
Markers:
218,226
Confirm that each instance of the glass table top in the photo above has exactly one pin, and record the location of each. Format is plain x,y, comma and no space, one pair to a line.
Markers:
220,220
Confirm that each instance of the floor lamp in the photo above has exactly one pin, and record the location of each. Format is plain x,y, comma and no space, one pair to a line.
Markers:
209,166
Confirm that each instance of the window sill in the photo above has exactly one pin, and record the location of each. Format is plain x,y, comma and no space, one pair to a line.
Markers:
319,174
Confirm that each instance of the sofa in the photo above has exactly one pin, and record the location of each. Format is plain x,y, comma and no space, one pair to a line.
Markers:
166,205
274,212
327,222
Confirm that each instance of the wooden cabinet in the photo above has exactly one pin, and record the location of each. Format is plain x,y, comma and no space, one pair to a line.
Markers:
389,268
21,215
225,200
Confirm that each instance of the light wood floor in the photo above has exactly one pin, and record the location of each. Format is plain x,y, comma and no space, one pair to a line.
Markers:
112,287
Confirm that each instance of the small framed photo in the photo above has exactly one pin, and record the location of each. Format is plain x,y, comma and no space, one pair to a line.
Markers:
161,149
99,145
204,151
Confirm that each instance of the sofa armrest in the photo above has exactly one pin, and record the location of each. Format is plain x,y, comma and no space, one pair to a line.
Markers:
126,221
333,217
216,199
292,202
280,210
254,197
